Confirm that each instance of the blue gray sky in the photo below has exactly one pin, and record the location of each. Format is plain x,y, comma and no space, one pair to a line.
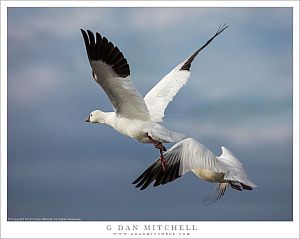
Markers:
239,95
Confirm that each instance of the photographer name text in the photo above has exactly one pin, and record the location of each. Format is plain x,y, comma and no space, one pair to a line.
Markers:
151,227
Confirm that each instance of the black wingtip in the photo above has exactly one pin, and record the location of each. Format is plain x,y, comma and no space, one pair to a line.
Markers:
100,49
187,65
222,28
246,187
84,31
235,185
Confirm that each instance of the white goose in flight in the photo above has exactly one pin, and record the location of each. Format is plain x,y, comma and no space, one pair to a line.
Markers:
190,155
133,115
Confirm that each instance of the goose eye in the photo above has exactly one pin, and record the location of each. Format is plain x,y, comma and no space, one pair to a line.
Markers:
91,115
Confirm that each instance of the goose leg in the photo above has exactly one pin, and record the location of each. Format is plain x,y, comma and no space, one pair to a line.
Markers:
161,148
162,160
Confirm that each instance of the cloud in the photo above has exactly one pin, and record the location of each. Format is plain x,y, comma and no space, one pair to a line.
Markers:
249,45
33,83
241,131
51,22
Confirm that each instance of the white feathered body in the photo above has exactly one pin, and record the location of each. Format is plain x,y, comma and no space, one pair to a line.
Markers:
140,130
209,175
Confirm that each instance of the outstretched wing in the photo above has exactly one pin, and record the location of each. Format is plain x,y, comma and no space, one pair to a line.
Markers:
158,98
236,172
111,71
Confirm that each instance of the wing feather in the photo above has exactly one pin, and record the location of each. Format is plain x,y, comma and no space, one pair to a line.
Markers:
190,155
236,171
195,155
111,71
158,98
187,155
216,195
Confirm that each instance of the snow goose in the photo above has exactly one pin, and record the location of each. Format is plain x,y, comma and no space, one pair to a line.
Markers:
190,155
134,116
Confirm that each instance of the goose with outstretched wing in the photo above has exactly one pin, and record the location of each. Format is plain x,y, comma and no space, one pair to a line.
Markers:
133,115
190,155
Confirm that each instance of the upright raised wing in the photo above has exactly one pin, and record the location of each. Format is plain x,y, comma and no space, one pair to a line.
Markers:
111,71
158,98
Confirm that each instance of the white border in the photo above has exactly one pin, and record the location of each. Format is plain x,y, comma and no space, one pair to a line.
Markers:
296,78
287,3
98,229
